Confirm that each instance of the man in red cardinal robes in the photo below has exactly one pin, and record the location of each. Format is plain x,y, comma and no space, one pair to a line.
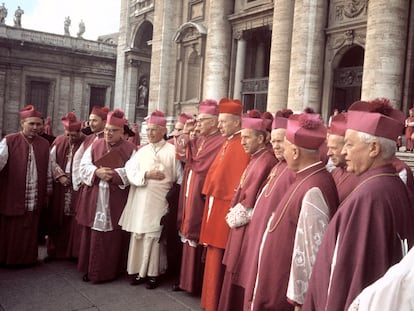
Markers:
219,188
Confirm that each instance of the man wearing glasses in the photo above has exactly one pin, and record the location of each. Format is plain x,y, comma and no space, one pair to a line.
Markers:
103,244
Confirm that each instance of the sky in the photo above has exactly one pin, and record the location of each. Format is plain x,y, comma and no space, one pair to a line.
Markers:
100,16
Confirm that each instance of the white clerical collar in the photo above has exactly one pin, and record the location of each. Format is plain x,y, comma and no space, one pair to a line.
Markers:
232,135
312,165
161,143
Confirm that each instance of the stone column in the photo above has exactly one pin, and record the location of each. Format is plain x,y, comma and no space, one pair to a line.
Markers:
162,44
123,44
218,48
385,50
306,62
131,89
280,55
240,64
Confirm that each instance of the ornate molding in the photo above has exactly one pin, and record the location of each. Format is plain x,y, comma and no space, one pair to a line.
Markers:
255,85
351,10
348,77
189,31
346,38
238,34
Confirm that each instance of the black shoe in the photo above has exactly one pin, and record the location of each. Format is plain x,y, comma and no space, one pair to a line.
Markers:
152,282
137,280
85,278
176,288
48,259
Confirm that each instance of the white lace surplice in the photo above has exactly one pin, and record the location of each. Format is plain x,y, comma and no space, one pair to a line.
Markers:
312,222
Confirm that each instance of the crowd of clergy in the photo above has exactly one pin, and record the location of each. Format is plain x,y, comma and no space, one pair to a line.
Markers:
251,211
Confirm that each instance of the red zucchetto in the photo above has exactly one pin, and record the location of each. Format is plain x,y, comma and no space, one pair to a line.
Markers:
116,118
281,118
183,117
71,123
306,130
158,118
101,112
376,117
338,124
208,106
230,106
29,112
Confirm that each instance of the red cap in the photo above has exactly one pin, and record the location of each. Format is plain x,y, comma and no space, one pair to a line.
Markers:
208,106
29,112
281,118
253,120
306,130
338,124
101,112
158,118
267,119
116,118
231,106
70,123
184,117
376,117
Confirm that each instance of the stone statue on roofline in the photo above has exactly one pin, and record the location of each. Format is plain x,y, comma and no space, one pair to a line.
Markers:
3,14
81,29
67,25
18,17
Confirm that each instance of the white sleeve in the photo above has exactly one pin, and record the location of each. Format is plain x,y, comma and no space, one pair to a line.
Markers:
312,222
123,175
76,179
403,175
393,291
134,172
87,168
178,172
4,153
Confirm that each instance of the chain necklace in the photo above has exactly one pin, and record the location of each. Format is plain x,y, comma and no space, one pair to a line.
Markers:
292,194
271,176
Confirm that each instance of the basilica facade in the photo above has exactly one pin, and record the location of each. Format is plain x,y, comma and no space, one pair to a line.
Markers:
271,54
55,73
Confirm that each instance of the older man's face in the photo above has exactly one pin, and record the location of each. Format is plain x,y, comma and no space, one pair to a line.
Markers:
228,124
357,153
155,133
277,140
335,144
113,134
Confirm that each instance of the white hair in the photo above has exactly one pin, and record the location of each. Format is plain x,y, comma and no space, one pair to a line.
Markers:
388,146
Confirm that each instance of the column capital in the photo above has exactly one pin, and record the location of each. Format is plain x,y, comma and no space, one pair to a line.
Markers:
238,35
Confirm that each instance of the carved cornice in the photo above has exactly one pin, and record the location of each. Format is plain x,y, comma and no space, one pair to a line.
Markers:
190,31
352,9
348,37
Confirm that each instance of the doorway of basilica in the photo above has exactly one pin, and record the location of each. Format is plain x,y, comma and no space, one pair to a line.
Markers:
347,79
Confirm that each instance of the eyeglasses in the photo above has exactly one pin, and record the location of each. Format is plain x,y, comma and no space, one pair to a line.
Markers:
199,120
111,131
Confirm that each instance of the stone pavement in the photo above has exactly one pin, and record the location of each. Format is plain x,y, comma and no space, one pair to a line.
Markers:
57,286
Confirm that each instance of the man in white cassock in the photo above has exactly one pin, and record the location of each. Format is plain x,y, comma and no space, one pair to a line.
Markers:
151,171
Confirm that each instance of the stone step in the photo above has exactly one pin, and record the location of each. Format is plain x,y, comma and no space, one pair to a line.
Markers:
407,157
